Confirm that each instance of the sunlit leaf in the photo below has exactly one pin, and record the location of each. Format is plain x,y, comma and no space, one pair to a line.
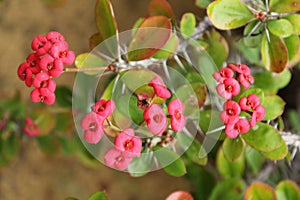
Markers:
274,53
230,189
274,107
88,60
260,191
187,25
284,6
160,7
287,190
233,148
292,44
229,14
264,138
217,47
98,196
281,28
149,38
294,20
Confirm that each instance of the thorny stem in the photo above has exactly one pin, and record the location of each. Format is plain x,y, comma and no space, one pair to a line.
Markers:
102,68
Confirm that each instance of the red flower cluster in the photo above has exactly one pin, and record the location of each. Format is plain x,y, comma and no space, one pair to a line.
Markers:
48,60
229,79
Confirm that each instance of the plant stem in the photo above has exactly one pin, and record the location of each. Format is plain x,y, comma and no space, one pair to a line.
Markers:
102,68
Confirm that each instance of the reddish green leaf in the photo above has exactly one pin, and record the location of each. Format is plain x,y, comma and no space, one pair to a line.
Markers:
180,195
95,40
187,25
274,53
229,14
149,38
279,153
260,191
169,49
233,148
160,7
217,47
287,190
285,6
274,107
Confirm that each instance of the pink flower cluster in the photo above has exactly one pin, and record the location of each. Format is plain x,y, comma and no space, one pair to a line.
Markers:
230,79
50,55
155,116
31,128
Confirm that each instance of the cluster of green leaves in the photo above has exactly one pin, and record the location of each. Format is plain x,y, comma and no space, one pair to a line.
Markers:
272,28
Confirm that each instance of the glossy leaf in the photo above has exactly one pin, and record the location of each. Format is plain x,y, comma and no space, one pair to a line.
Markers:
171,162
274,107
284,6
187,25
294,20
169,49
63,96
230,189
264,138
217,47
268,81
88,60
149,38
140,166
229,14
233,148
281,28
160,7
98,196
287,190
279,153
260,191
230,169
202,3
274,53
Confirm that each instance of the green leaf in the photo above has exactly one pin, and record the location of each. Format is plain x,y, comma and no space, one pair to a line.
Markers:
139,166
187,25
274,53
292,44
274,107
281,28
127,105
205,118
202,3
279,153
294,20
265,138
217,47
230,189
160,7
233,149
48,144
268,81
63,96
287,190
95,40
88,60
284,6
260,191
247,92
149,38
11,146
170,161
254,160
98,196
229,14
169,49
198,44
230,169
253,40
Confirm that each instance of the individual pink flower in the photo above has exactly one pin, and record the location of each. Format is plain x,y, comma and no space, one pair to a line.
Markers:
257,115
142,101
240,68
42,95
156,119
55,37
245,80
31,128
250,102
54,67
22,71
117,159
60,50
127,142
160,88
230,87
223,74
41,45
176,110
92,124
42,80
34,62
180,195
104,108
231,112
241,126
